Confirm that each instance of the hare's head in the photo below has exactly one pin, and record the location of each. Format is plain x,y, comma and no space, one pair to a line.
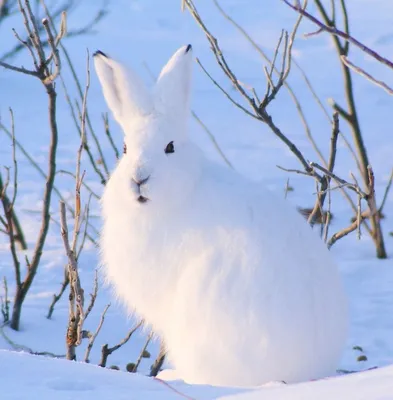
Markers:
160,156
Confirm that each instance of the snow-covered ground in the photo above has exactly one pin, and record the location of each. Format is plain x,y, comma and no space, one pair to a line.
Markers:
33,377
150,31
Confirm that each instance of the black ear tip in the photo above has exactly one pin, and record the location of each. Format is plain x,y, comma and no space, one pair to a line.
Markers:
188,48
99,53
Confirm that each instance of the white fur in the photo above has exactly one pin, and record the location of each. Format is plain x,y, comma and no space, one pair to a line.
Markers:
238,285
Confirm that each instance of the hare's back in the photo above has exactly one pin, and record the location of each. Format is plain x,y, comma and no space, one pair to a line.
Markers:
256,278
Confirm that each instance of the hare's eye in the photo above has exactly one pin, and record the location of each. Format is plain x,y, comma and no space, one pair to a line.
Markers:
170,148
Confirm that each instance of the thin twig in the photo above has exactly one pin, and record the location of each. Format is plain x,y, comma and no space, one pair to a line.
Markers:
297,171
81,95
109,135
225,92
78,177
84,184
385,195
93,336
21,347
18,69
325,182
85,235
5,302
159,361
75,320
106,351
344,232
349,185
93,296
333,30
142,353
57,297
366,75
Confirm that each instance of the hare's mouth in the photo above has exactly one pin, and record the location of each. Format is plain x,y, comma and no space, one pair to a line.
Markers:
139,186
142,199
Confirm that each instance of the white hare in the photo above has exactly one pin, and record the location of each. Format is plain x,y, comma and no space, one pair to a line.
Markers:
231,277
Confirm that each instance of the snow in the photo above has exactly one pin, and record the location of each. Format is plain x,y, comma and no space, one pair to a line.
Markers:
149,31
63,380
26,375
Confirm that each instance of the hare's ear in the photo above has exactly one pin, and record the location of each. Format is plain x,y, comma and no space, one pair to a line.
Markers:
125,94
172,96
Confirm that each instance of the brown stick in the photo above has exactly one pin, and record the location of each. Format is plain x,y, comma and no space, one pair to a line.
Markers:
325,182
344,232
142,353
93,336
106,351
158,363
42,73
76,312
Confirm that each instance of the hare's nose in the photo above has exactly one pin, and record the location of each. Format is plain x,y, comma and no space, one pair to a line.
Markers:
140,182
138,185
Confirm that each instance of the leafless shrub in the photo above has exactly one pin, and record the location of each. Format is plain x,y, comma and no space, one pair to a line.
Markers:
257,107
11,8
342,41
43,64
43,41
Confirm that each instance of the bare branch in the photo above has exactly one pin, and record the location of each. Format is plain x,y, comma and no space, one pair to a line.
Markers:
33,30
333,30
109,135
225,92
297,171
366,75
55,52
10,231
83,183
18,69
350,186
158,363
142,353
81,95
344,232
78,177
213,140
286,61
20,347
385,195
93,336
57,297
93,296
317,212
76,314
5,302
15,177
259,114
107,351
